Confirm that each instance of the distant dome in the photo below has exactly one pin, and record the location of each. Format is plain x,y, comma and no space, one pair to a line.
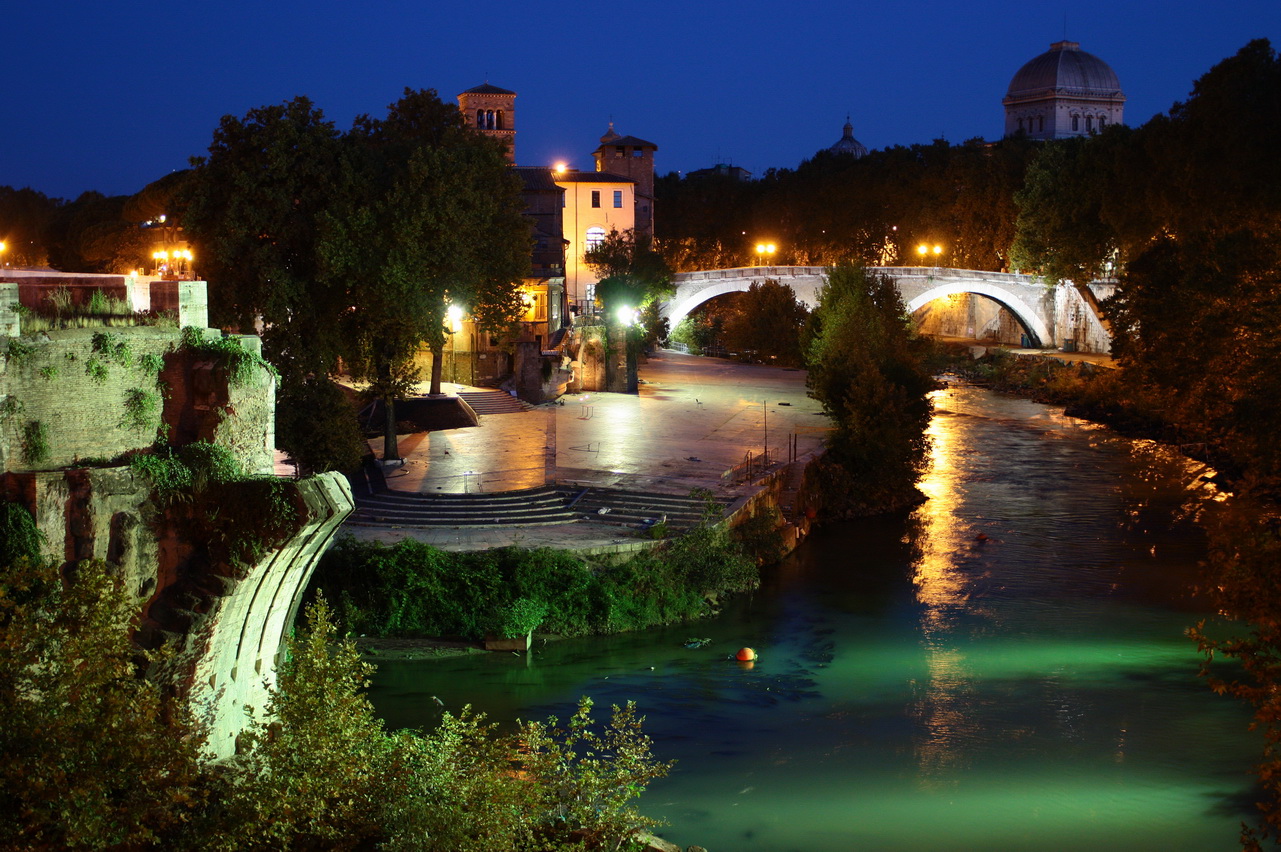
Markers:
1065,66
1064,92
847,144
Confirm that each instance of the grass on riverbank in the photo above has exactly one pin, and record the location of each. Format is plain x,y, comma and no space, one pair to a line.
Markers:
414,589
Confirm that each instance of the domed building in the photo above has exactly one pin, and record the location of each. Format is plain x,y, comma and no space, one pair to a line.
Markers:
1061,93
847,144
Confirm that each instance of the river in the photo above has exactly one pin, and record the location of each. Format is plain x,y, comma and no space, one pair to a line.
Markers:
1005,669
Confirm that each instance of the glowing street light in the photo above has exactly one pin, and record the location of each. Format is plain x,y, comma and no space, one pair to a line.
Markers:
925,251
763,249
2,249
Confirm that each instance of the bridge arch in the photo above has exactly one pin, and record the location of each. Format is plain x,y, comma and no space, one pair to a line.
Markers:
1032,322
1026,298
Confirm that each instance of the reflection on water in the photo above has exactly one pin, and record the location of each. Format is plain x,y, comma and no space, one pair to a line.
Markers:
922,687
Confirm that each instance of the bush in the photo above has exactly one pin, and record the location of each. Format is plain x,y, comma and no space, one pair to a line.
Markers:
412,588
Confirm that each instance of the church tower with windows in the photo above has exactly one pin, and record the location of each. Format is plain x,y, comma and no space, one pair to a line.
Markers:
491,111
1061,93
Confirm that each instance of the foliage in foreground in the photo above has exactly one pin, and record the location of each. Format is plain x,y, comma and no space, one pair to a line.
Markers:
98,757
413,588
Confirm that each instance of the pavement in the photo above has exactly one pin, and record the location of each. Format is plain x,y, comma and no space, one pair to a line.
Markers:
693,424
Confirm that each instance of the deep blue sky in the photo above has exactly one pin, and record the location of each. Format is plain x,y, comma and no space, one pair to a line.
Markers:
110,96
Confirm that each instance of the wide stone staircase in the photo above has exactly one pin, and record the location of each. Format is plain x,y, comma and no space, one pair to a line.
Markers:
636,509
532,507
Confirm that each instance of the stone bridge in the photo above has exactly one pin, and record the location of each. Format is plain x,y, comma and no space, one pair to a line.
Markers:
1051,316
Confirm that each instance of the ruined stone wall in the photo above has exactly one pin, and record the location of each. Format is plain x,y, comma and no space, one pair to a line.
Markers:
224,622
97,393
222,613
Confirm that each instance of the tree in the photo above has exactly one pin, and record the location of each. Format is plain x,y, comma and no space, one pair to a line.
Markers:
436,219
96,756
253,210
25,215
768,321
868,370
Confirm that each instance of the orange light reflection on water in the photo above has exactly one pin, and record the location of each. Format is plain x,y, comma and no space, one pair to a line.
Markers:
941,706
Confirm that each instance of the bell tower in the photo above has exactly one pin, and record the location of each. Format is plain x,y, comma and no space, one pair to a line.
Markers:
491,111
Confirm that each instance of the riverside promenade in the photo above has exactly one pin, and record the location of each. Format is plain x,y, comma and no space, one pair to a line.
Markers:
692,425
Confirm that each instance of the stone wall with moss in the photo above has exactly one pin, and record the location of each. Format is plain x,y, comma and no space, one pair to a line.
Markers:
71,395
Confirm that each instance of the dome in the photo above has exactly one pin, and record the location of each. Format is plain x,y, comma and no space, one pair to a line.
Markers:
847,144
1065,66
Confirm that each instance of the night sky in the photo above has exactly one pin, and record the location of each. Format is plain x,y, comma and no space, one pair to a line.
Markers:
110,96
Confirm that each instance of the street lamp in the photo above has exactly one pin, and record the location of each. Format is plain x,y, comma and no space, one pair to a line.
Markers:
763,249
926,250
2,248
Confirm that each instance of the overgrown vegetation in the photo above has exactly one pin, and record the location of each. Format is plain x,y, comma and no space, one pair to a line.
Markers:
35,443
237,517
240,365
97,757
415,589
141,409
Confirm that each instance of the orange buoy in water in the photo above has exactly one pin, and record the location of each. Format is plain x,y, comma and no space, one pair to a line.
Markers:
745,655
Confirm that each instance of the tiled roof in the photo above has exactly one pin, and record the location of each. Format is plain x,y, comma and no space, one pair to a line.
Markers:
538,179
630,141
486,89
591,177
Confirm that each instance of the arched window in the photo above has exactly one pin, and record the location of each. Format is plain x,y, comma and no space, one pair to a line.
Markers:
499,119
595,236
480,118
1076,123
1020,125
1089,124
489,119
1103,122
1040,124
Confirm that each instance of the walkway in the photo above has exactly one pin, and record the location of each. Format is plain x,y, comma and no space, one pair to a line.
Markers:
693,420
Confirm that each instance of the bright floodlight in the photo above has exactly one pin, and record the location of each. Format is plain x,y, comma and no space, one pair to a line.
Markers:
938,249
455,314
626,315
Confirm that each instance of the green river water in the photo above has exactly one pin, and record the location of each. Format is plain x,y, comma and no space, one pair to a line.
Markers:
919,688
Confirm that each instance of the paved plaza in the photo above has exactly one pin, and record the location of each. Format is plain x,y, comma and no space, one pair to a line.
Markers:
693,422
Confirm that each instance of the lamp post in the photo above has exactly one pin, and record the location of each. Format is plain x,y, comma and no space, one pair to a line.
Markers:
763,249
925,251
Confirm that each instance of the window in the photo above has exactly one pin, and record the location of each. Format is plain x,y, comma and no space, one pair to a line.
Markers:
1040,124
1089,124
618,198
499,119
595,236
480,118
637,152
1020,125
596,198
620,151
1103,122
1076,123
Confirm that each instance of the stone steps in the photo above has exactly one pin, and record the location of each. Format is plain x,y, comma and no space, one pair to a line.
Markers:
634,508
533,507
494,402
